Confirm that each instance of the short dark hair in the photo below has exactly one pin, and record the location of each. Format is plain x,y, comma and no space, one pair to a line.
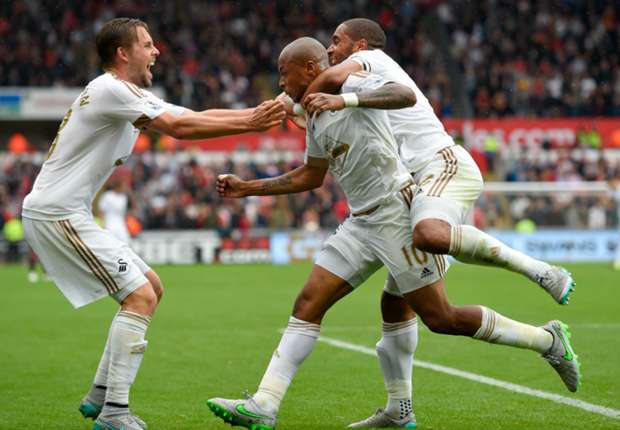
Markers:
363,28
118,32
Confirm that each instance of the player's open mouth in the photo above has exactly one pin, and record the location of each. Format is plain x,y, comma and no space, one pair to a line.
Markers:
151,64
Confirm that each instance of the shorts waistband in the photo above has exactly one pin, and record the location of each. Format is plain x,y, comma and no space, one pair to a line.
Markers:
406,192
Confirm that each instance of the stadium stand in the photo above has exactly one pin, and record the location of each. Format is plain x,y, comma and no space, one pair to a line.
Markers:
544,60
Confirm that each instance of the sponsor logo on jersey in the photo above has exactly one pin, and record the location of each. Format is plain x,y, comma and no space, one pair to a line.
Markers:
426,272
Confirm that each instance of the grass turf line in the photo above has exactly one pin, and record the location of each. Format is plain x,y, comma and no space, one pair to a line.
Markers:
218,325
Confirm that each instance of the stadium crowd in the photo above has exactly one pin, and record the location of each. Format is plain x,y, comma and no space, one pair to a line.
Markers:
542,58
176,191
520,57
532,58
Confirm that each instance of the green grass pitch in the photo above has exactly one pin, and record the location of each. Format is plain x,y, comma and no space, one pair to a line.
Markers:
217,326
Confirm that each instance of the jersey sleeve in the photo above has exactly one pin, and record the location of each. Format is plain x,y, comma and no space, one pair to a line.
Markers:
315,155
362,81
126,101
362,59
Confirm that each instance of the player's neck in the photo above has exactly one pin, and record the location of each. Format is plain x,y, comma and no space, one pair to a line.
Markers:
121,74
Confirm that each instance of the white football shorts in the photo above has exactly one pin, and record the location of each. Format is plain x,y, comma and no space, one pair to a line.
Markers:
448,186
85,262
363,244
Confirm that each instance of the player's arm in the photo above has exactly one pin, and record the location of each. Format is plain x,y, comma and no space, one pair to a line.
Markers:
303,178
388,96
203,125
239,113
331,79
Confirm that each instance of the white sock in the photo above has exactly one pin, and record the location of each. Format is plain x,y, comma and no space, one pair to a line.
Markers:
296,344
496,328
470,245
127,346
395,351
97,391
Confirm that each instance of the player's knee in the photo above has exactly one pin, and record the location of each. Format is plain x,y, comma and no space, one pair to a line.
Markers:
307,305
432,235
149,298
303,304
395,309
143,300
158,287
423,236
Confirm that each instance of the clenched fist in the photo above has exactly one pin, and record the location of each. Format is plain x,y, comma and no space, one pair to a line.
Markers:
229,186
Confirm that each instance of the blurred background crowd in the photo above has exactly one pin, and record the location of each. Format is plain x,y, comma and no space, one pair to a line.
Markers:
488,58
177,191
483,59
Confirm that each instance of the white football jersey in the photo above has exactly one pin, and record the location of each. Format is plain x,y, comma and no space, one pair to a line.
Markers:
96,135
417,130
358,148
113,206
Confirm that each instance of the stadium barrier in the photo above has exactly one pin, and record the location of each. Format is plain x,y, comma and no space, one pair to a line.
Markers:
284,247
180,247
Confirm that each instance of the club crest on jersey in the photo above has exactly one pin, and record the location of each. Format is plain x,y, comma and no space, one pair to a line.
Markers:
339,150
122,265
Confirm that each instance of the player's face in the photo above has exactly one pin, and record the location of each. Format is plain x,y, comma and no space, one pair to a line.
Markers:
142,56
294,79
341,48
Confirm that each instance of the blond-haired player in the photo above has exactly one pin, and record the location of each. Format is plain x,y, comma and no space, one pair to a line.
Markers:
87,263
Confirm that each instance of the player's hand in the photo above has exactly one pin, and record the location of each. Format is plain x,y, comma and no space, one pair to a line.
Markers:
298,120
229,186
320,102
266,115
288,103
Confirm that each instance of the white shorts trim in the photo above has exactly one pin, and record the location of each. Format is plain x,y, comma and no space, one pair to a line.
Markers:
448,186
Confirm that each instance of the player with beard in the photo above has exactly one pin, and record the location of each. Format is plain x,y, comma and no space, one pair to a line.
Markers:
450,183
357,146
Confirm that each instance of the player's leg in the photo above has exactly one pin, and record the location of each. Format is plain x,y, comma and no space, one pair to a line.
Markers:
141,303
439,212
343,264
123,355
479,322
395,350
33,276
87,264
322,289
156,284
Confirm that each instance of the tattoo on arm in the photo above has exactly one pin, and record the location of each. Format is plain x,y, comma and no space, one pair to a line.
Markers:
275,183
389,96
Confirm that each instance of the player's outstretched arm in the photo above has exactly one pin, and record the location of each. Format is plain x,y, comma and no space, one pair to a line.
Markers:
303,178
203,125
239,113
331,79
389,96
